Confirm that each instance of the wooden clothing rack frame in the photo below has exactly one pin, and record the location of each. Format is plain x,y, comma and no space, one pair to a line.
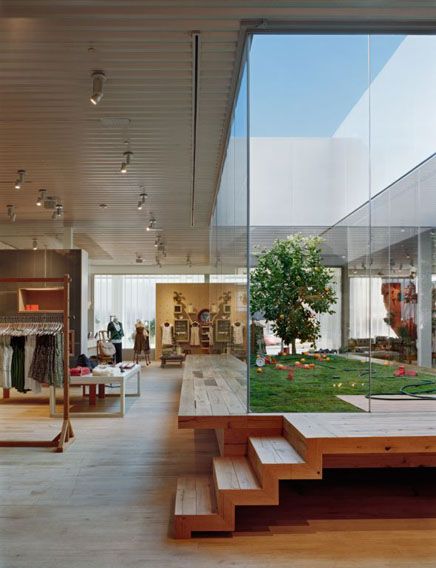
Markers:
66,434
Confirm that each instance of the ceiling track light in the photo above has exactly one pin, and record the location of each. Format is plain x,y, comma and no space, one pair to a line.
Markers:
141,201
189,261
11,213
126,162
158,262
139,259
58,211
20,179
151,224
35,244
41,197
98,79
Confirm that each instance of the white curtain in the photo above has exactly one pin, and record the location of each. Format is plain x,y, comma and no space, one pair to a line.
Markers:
366,306
331,323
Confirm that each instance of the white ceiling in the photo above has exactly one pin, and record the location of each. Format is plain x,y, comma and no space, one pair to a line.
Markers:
49,128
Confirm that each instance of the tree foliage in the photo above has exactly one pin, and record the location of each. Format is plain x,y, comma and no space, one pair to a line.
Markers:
291,286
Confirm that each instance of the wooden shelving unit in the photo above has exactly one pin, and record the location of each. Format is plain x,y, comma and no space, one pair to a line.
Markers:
48,300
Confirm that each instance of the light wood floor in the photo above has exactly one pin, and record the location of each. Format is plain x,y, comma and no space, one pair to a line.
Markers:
107,502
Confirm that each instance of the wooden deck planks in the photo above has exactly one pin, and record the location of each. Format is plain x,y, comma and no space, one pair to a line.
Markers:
213,385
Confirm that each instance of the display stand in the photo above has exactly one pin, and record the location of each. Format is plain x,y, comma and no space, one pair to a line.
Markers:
66,434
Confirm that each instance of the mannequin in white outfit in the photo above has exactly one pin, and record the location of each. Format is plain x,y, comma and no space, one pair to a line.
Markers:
167,333
195,334
238,333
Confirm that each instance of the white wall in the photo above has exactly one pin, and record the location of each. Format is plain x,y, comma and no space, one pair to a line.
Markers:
318,181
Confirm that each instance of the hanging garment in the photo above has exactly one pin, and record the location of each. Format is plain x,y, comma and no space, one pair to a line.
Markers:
47,362
6,353
29,349
17,364
238,333
195,335
167,334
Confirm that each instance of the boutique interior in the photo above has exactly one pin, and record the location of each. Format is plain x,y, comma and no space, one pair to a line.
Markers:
217,288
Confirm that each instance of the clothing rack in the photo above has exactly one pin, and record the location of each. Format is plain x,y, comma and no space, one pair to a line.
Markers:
66,434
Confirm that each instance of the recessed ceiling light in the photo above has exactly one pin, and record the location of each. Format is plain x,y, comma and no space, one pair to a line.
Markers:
98,79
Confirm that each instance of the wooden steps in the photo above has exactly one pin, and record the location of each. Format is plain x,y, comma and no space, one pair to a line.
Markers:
196,507
304,445
208,504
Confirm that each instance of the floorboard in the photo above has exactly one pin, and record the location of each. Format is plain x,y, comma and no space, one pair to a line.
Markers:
108,501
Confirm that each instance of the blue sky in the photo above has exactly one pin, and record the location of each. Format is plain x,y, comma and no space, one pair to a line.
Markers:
305,85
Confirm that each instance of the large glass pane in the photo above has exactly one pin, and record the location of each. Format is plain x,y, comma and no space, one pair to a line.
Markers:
309,170
228,326
403,176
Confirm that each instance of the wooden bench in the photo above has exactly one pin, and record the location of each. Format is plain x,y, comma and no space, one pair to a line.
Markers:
171,359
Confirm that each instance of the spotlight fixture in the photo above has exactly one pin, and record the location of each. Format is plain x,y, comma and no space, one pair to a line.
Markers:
98,79
11,213
156,242
158,263
141,201
189,261
41,197
151,224
139,259
58,211
126,162
20,179
35,244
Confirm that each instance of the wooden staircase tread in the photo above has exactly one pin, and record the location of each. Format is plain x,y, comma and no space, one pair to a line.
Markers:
234,473
275,450
195,496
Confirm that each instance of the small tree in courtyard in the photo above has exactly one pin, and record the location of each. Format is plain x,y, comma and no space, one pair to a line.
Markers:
291,286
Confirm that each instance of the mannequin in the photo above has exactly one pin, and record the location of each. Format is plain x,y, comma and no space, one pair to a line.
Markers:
167,333
195,334
116,333
142,342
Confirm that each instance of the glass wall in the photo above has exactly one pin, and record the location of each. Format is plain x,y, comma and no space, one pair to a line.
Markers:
228,248
342,210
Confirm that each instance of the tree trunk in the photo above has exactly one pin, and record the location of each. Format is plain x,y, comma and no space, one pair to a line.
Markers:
294,347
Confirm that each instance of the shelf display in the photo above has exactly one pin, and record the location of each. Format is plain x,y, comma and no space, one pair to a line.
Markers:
46,300
181,330
222,331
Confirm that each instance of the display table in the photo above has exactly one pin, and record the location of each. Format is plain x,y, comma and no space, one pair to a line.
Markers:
171,359
101,381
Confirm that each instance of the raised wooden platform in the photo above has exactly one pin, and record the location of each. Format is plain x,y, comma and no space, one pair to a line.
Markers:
258,450
213,385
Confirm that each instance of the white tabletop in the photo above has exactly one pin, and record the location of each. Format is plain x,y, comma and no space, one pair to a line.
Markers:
102,379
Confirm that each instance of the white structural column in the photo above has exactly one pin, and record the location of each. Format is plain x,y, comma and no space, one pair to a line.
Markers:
68,242
424,289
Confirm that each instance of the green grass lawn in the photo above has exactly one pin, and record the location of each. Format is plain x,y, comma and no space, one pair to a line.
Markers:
316,390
